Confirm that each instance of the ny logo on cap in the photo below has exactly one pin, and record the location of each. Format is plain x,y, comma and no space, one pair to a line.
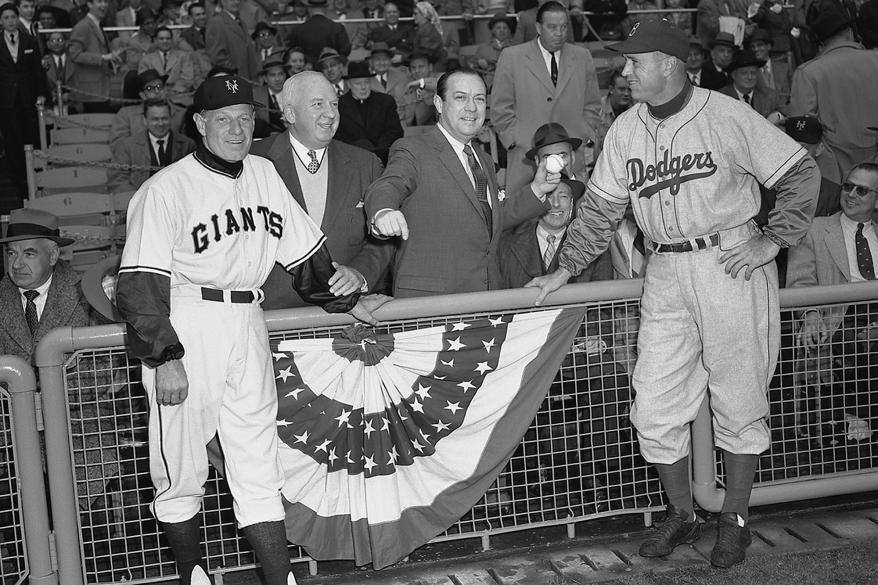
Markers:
634,29
800,125
232,86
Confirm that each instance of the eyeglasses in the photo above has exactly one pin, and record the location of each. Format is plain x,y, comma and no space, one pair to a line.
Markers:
263,35
153,88
858,190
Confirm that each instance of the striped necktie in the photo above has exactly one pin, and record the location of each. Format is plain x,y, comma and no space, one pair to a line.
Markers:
549,254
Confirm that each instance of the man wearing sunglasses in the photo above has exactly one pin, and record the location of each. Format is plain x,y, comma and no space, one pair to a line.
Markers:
838,249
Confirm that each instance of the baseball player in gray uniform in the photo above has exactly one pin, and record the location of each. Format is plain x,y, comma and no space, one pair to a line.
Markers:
690,161
203,235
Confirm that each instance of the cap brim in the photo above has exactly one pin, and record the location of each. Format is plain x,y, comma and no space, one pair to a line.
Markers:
61,241
574,144
630,47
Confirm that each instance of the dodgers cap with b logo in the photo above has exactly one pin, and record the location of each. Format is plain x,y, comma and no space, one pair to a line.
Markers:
222,91
660,35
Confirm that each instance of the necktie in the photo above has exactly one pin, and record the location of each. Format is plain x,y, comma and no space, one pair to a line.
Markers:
13,47
314,164
384,81
162,152
265,54
338,88
164,61
481,183
30,311
767,77
748,99
58,63
864,255
550,251
392,27
554,69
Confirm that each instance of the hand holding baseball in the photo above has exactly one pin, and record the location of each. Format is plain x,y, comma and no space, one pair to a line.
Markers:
545,181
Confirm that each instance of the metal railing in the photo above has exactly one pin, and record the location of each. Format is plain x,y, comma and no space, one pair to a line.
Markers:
579,459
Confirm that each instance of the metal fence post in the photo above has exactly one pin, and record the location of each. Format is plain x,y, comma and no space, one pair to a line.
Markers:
22,384
50,361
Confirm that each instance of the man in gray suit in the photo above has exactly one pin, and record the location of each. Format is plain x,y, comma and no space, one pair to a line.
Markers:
228,42
95,62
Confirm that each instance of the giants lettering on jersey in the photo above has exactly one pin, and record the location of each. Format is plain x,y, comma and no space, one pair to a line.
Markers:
673,169
229,223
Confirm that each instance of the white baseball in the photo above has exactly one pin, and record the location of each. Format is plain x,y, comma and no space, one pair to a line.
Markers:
554,163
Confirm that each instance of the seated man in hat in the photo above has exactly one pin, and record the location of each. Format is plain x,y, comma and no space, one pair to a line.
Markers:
387,79
714,74
331,65
267,46
745,72
776,73
129,120
275,73
488,53
157,147
173,64
368,119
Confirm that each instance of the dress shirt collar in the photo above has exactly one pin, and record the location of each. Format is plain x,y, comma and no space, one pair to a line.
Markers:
302,151
741,95
850,226
456,144
154,141
543,233
40,301
547,56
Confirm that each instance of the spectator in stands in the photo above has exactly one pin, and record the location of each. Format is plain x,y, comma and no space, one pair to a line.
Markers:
47,17
617,100
867,23
487,54
138,44
775,74
440,197
714,74
370,9
22,85
127,16
172,64
368,119
95,61
531,249
331,64
386,79
26,22
252,12
416,106
275,73
228,42
710,12
59,70
39,291
267,47
838,249
695,63
633,19
170,13
427,37
157,147
545,80
807,131
319,33
553,139
341,13
397,35
295,60
745,71
526,26
681,20
774,21
839,87
331,193
129,121
194,35
295,11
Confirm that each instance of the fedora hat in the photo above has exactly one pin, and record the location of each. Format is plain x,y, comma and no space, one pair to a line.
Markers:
274,60
551,133
744,58
760,34
328,54
148,76
723,38
380,47
829,23
499,16
30,224
261,26
358,70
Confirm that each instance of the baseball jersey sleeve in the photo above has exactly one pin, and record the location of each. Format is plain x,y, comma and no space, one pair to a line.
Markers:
143,290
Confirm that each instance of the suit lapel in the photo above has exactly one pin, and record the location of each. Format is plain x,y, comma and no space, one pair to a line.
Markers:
281,154
836,246
60,303
526,250
449,159
14,322
565,67
537,66
338,177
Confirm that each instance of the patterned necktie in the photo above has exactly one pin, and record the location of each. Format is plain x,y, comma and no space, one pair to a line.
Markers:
554,69
550,251
481,183
30,311
314,164
164,61
864,255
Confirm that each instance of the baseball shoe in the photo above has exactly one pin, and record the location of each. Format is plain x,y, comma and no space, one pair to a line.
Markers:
732,540
677,529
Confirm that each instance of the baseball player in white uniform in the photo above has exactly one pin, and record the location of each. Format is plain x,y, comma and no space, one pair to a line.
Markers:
203,235
690,162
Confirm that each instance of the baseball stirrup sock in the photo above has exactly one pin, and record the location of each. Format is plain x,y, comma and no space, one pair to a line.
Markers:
185,541
269,541
675,480
740,473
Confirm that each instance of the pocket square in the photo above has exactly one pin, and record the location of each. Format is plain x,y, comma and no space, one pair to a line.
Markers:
28,51
361,203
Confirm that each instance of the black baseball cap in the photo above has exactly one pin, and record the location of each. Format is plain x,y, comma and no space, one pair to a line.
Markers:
226,90
660,35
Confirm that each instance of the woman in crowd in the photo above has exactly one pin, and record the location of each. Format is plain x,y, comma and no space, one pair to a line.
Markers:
427,38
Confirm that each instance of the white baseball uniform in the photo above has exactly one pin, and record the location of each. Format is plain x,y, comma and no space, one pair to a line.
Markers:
207,229
694,176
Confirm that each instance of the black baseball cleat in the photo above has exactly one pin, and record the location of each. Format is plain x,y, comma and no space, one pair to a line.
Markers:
732,541
677,529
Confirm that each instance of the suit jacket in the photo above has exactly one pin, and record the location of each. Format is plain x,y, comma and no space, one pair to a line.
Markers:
270,113
764,100
228,44
781,76
65,307
180,70
449,249
523,99
316,33
56,75
351,171
135,150
129,121
373,124
399,39
87,44
521,261
23,80
194,38
397,84
713,79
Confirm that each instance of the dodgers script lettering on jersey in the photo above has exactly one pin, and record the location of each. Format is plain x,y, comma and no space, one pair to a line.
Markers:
229,223
669,174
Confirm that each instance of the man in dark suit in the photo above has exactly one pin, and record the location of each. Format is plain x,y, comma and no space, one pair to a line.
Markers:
157,147
329,185
531,249
397,35
319,32
228,42
776,73
59,68
95,61
714,74
39,292
440,196
270,116
194,35
369,119
22,83
744,71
